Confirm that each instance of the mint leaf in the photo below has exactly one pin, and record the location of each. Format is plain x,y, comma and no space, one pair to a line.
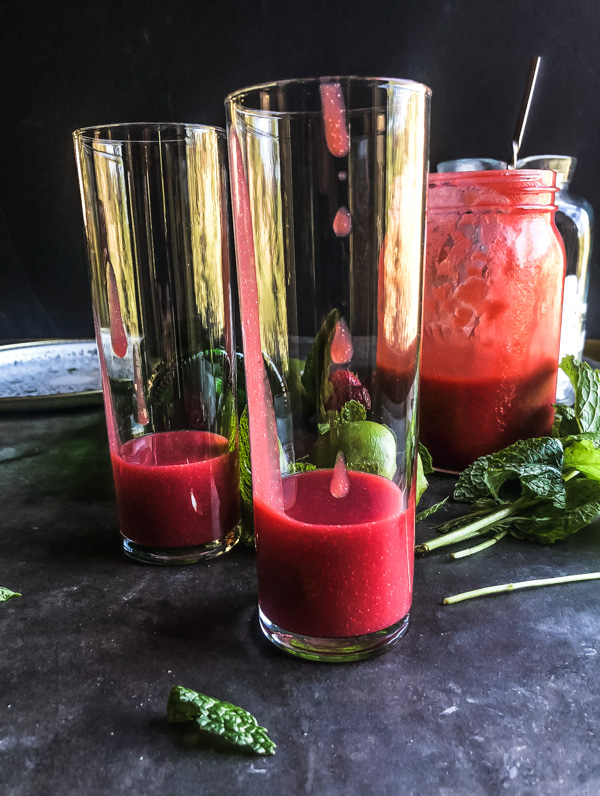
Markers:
7,594
586,382
316,368
300,467
548,524
227,417
426,459
582,455
431,510
247,505
565,422
471,486
422,482
530,468
570,367
218,718
424,466
352,411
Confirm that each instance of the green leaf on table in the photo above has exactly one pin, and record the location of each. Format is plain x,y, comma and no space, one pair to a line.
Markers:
529,468
234,724
548,524
7,594
584,456
315,377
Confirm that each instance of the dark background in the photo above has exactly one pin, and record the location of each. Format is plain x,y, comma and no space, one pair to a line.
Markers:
66,65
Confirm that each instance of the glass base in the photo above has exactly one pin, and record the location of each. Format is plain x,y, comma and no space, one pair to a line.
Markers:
333,650
172,556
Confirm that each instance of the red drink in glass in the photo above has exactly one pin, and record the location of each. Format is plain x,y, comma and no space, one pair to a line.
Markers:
335,567
176,489
328,223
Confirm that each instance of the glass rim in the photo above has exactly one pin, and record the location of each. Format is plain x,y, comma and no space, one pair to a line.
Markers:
233,97
87,133
529,178
526,190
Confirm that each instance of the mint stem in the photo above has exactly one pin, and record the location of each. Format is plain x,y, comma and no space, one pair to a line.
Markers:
525,584
475,528
469,551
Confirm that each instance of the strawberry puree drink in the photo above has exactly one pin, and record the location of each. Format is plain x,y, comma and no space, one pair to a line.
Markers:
491,313
336,566
176,489
316,191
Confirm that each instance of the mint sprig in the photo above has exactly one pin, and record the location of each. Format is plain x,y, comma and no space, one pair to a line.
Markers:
315,377
542,489
210,715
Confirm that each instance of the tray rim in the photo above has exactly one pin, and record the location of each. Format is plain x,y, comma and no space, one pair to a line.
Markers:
50,400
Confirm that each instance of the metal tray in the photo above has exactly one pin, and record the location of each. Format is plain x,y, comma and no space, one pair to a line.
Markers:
49,374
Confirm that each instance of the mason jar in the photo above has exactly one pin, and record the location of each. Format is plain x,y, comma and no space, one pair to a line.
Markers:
494,276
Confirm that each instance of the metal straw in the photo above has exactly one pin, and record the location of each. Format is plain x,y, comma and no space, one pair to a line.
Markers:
524,112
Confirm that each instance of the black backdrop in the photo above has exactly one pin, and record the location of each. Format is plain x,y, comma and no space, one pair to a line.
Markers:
66,64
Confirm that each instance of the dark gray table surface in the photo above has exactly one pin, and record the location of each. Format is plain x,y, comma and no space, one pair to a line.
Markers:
493,696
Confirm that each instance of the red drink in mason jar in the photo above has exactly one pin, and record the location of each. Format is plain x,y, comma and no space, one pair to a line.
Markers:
491,314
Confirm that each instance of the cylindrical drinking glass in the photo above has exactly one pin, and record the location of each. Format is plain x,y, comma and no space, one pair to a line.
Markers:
328,185
154,202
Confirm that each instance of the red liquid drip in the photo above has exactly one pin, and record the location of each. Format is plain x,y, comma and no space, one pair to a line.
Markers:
334,118
118,338
342,223
176,489
336,567
342,349
340,483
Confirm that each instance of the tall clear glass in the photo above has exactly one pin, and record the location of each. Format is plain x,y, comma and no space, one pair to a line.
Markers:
328,186
154,202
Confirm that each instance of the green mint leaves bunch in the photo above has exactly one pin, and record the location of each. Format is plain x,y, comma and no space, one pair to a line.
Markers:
210,715
542,489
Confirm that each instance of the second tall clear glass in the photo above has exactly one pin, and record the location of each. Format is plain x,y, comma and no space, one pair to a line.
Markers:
154,200
328,186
